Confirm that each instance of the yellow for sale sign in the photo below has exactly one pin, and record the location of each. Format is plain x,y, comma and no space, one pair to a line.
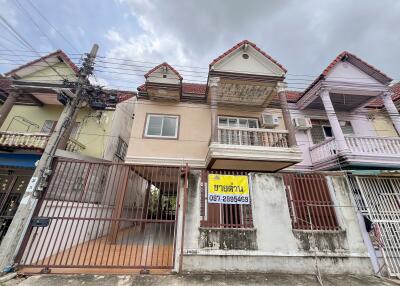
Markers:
228,189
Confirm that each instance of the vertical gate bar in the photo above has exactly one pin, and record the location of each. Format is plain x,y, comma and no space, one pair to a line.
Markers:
301,201
155,226
332,222
153,179
29,234
105,170
318,201
169,230
120,209
62,211
145,213
176,213
114,216
127,208
140,186
309,201
183,217
91,219
159,212
106,205
7,193
72,218
304,200
82,209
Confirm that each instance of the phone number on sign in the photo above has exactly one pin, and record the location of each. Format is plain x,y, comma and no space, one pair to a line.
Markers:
232,199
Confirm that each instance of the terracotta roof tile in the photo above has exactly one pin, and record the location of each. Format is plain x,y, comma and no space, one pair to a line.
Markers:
194,88
378,103
59,53
160,65
238,45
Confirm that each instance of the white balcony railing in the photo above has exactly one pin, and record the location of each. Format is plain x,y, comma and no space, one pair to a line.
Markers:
34,141
252,137
357,145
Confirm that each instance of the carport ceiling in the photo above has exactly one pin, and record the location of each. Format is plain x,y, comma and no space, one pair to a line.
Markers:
342,102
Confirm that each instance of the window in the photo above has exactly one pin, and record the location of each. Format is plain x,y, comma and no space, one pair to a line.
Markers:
237,122
321,130
121,149
162,126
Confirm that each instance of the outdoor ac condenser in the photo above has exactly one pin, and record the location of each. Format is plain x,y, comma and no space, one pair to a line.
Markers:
269,121
302,123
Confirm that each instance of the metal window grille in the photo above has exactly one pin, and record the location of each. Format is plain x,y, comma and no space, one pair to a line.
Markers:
223,215
122,147
310,204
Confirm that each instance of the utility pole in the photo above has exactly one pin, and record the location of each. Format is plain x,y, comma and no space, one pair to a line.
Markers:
20,224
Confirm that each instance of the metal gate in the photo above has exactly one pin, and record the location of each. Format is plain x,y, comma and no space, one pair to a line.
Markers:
379,198
12,188
104,215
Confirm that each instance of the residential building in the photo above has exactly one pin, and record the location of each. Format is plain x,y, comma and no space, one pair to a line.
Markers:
31,105
223,177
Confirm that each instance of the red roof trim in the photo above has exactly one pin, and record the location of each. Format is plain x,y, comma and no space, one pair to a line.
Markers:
334,62
160,65
59,53
238,45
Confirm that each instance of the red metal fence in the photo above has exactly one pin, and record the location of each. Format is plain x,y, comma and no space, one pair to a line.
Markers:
223,215
104,215
310,203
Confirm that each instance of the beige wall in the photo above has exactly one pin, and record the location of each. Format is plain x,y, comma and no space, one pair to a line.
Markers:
194,133
384,127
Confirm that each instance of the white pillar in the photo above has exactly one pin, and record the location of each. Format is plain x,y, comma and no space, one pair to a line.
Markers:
213,89
391,110
333,120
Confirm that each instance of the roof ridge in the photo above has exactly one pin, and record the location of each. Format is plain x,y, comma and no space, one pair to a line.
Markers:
163,64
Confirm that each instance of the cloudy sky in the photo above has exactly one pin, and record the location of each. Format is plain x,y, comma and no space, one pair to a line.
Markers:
133,35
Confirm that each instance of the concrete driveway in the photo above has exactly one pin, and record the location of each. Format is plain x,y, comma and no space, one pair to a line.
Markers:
197,280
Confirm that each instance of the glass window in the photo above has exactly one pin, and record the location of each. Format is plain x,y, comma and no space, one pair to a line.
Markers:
48,126
237,122
327,131
162,126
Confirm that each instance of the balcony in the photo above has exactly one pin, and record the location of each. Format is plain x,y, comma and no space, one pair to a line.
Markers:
32,141
363,151
251,149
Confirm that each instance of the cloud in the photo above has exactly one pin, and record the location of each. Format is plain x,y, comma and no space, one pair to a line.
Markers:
302,35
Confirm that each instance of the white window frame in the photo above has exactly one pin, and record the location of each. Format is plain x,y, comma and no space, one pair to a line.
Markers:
162,125
237,120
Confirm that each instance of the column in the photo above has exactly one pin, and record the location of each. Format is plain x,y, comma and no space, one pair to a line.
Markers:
286,116
333,120
212,92
391,110
8,105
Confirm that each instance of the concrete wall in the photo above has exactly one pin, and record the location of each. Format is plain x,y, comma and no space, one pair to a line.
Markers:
279,247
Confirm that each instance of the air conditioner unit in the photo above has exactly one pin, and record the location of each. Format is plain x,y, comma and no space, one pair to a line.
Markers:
302,123
269,121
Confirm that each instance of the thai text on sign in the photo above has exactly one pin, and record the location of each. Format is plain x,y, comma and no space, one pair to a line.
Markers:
228,189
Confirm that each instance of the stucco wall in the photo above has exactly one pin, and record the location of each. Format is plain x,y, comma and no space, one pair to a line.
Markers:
279,248
94,130
193,135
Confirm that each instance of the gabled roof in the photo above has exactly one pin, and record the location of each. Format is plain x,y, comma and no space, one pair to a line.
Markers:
378,103
238,45
357,62
58,53
161,65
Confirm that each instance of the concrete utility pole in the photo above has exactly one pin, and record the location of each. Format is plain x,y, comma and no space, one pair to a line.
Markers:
16,233
8,105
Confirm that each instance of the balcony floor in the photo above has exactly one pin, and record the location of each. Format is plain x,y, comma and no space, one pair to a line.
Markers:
251,158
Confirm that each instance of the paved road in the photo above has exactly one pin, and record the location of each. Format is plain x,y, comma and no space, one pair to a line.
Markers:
200,280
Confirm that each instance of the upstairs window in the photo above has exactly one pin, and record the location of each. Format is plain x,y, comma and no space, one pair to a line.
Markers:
321,130
237,122
48,126
162,126
121,149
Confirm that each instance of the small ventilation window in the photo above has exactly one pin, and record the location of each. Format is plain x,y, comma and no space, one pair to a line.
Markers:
245,56
164,76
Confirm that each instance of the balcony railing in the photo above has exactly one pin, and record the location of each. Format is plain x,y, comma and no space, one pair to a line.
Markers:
357,145
252,137
33,141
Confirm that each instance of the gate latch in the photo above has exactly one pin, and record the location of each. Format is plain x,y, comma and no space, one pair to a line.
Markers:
40,222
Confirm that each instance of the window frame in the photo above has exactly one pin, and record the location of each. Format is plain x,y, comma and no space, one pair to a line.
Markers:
146,126
237,120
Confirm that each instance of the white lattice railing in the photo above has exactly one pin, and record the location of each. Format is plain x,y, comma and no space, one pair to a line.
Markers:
363,145
324,150
374,145
252,137
33,141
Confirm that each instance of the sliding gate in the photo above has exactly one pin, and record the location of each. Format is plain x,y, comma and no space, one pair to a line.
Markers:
103,215
379,199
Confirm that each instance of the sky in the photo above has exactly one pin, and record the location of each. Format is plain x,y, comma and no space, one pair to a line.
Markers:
135,35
